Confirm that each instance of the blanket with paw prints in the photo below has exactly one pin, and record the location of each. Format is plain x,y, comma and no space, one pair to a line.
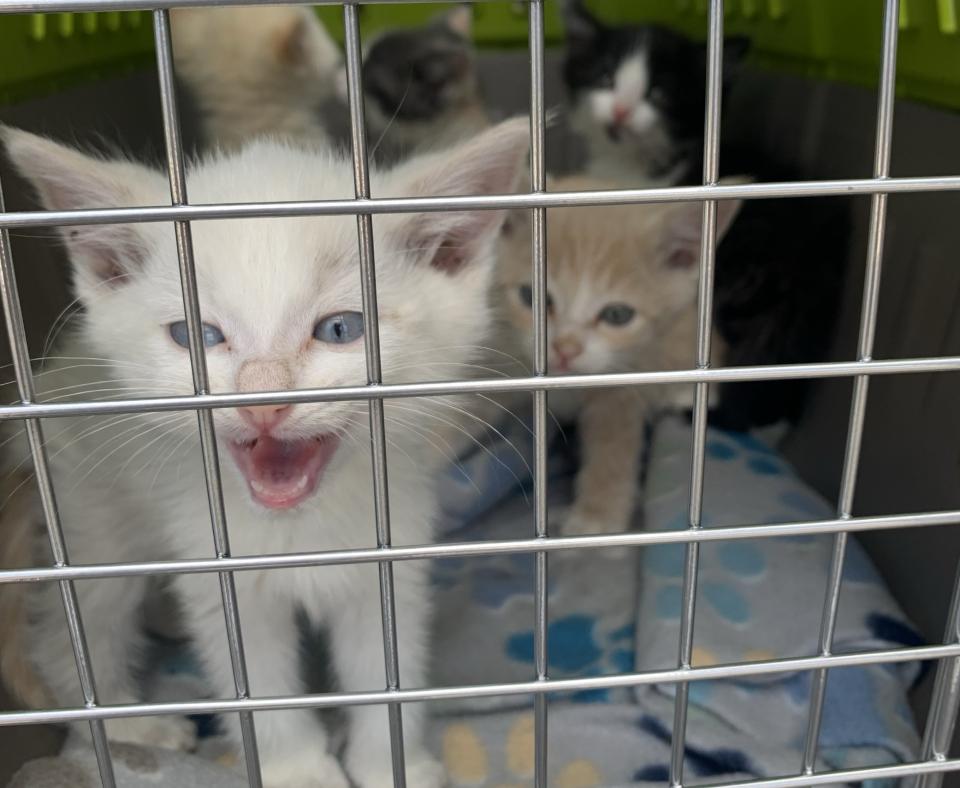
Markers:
614,612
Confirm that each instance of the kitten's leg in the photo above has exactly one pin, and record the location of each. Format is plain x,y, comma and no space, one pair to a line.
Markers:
610,428
111,613
358,654
292,744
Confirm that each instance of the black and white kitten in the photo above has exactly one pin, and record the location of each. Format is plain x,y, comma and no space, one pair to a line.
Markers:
421,85
638,98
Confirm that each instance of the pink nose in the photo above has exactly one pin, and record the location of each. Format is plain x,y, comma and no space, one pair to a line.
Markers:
264,417
620,114
567,350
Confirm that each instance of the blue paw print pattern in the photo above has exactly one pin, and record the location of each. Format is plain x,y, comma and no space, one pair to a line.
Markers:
492,581
729,603
742,558
576,648
664,560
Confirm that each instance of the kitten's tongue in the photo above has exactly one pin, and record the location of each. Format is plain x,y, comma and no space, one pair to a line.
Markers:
282,474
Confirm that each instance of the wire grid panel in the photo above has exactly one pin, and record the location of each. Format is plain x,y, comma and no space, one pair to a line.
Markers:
927,771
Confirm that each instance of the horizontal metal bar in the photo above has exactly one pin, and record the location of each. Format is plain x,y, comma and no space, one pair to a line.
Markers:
548,685
846,776
829,369
485,548
51,6
383,205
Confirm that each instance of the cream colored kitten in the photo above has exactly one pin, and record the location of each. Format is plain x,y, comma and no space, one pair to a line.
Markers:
622,289
256,70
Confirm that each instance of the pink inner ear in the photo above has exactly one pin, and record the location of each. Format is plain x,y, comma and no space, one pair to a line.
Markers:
681,257
449,257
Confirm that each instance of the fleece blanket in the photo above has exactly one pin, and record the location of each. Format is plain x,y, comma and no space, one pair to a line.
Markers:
618,611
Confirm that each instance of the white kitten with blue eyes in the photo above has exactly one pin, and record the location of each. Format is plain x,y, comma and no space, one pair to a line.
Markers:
281,304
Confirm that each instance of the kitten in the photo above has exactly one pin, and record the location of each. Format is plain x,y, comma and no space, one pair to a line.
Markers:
281,303
255,70
638,95
421,85
622,289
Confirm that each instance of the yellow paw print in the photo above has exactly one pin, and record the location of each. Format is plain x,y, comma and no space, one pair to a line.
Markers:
468,761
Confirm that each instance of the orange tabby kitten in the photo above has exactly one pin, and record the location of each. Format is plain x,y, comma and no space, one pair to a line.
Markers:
622,291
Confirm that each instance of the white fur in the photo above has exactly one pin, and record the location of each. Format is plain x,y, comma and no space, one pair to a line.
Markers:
642,139
131,488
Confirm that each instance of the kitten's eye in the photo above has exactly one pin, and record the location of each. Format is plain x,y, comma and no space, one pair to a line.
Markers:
526,296
616,314
211,334
339,329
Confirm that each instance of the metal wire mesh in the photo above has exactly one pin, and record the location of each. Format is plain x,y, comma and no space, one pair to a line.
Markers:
934,757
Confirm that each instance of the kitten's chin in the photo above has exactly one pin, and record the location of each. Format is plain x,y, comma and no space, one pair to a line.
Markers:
282,474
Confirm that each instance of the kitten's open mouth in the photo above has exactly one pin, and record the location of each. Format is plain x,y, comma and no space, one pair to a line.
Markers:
282,474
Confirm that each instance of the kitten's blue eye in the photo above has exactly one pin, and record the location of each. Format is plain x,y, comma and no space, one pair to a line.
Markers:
211,334
339,329
616,314
526,296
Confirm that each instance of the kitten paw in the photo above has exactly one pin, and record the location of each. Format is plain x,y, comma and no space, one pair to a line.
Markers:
311,770
422,772
171,733
577,523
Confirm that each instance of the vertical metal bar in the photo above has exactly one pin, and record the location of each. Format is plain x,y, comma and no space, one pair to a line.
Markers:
945,701
711,172
858,405
368,282
20,353
201,382
538,180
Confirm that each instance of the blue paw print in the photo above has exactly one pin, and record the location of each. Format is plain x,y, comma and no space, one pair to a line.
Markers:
492,580
570,644
575,648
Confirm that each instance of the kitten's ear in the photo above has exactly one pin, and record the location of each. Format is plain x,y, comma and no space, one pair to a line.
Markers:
460,21
516,224
582,27
683,230
290,43
491,163
65,179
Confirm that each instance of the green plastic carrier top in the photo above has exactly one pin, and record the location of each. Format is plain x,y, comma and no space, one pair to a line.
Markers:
833,39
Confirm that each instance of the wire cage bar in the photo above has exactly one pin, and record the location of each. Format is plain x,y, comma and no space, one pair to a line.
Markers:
538,185
934,761
378,443
708,250
858,405
198,364
19,351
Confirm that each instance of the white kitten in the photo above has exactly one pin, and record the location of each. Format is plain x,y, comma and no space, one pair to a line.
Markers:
256,70
281,304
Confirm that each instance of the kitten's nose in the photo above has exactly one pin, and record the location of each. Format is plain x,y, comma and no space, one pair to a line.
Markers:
567,349
264,375
264,417
620,114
